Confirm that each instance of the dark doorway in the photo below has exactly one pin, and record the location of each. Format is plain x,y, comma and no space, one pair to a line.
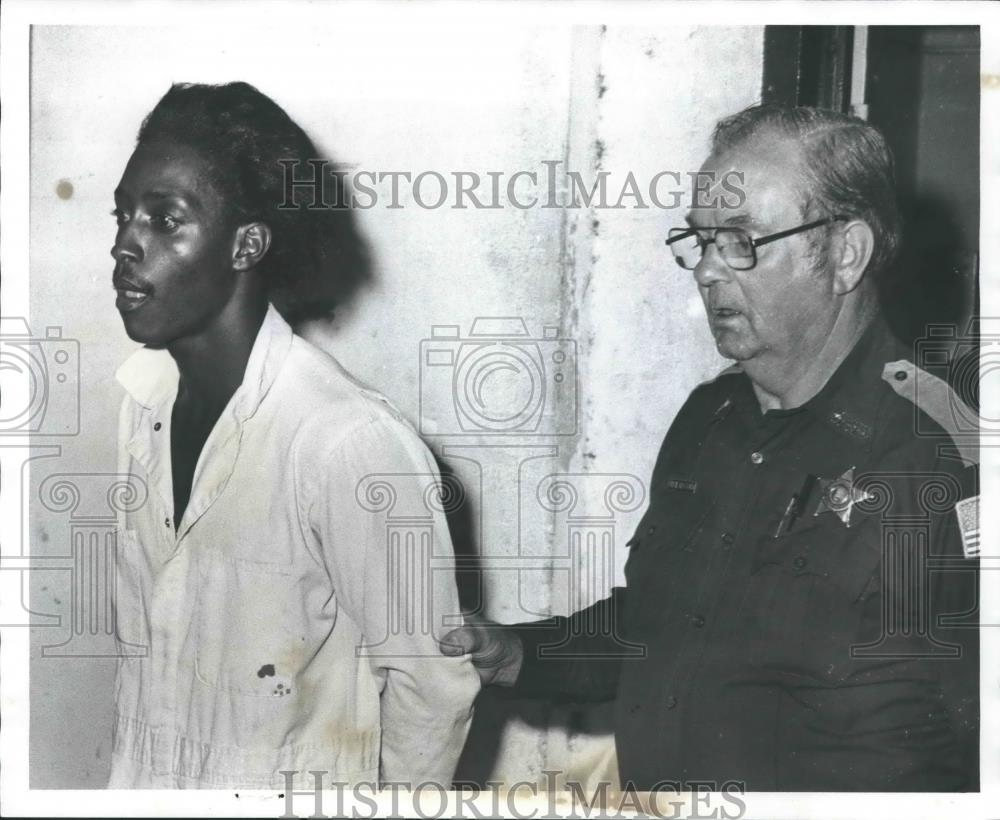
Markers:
922,91
920,86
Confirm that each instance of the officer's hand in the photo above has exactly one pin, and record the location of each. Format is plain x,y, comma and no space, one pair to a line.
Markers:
496,652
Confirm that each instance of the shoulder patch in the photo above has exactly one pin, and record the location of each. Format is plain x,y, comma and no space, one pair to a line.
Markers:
936,398
967,511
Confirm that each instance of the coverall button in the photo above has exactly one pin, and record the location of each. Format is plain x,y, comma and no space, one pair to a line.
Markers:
757,458
670,702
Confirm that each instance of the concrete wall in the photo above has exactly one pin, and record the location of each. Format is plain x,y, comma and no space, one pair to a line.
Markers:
629,324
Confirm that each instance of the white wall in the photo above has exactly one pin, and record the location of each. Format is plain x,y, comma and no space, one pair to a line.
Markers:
444,99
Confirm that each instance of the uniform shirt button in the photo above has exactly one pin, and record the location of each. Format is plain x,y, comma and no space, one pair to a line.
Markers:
651,530
800,562
166,523
157,426
757,458
697,621
670,701
728,538
900,375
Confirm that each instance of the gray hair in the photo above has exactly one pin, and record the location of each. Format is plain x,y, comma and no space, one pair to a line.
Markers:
848,166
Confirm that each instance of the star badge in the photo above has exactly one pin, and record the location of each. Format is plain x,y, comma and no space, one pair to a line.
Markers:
839,495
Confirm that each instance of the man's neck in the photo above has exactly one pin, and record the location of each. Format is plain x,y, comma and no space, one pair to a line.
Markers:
790,384
213,363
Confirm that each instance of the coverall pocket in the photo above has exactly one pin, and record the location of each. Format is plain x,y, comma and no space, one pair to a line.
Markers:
248,618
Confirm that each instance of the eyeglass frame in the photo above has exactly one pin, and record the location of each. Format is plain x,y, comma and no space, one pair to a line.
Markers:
754,243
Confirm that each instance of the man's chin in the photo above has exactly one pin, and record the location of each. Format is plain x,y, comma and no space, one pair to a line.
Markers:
141,334
732,346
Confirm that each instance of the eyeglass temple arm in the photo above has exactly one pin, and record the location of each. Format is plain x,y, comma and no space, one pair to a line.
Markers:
680,236
774,237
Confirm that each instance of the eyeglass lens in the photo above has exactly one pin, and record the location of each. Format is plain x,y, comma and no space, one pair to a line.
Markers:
734,246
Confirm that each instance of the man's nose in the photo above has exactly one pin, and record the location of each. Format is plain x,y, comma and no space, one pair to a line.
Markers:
712,268
126,247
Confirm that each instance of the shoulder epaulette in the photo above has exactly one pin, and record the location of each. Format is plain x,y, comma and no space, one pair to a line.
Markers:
936,398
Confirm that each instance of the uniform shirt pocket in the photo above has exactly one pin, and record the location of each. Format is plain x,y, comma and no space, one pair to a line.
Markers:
804,604
670,524
660,555
823,547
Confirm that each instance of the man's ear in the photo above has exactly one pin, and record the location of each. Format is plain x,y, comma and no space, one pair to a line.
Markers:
852,248
252,242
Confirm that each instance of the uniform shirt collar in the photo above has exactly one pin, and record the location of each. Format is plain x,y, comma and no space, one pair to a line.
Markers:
150,376
848,401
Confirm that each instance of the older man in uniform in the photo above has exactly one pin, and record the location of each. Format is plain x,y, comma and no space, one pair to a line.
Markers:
799,587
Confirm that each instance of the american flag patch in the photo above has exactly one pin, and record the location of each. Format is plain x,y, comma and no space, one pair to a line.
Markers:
967,511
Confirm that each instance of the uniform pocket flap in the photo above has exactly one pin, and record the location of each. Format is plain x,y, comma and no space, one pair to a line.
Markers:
826,548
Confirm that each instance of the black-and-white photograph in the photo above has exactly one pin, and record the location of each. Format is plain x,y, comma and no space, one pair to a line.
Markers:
555,410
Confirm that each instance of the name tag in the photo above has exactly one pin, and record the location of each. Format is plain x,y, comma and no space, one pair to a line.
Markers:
682,484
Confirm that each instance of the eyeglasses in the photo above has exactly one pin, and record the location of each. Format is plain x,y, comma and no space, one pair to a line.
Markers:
736,247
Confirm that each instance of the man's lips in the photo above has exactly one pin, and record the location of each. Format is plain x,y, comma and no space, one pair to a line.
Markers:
130,294
724,312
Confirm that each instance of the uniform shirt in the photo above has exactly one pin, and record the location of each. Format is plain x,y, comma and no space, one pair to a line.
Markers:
254,609
783,648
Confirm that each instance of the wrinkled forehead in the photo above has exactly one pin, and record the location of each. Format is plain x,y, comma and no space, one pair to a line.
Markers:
756,184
